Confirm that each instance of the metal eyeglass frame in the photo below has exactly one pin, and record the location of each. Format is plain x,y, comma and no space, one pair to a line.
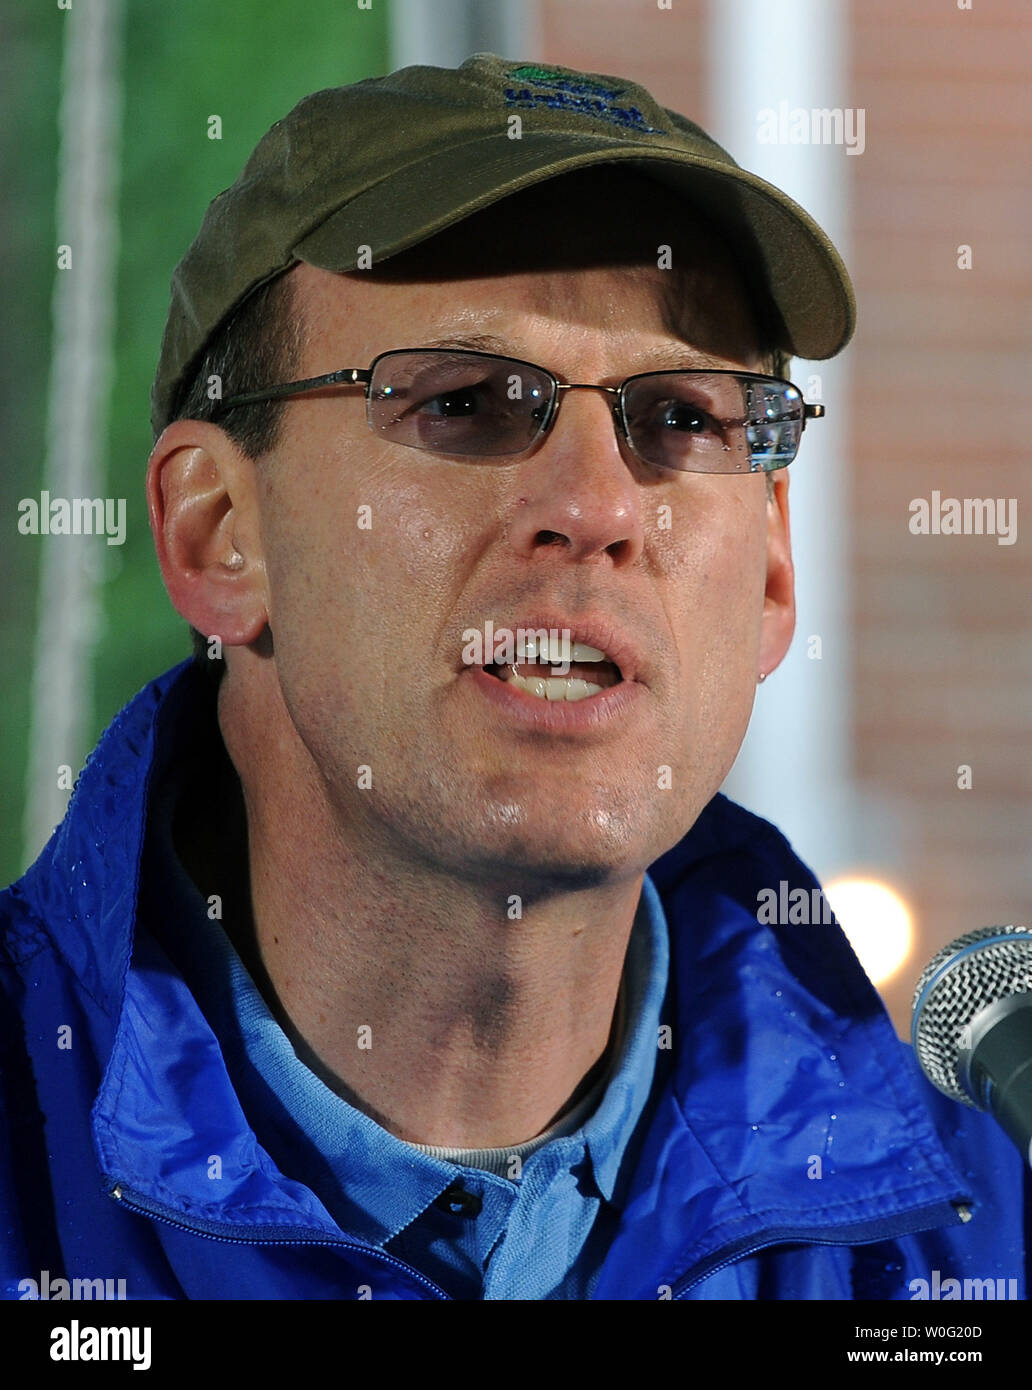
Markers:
363,376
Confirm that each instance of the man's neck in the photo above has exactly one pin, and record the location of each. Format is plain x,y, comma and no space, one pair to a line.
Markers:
410,992
417,1000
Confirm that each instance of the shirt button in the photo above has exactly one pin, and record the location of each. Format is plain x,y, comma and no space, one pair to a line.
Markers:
459,1202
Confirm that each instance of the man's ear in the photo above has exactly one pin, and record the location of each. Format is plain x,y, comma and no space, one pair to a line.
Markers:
202,502
778,621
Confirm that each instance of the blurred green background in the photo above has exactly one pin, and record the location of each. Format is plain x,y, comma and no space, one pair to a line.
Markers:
181,63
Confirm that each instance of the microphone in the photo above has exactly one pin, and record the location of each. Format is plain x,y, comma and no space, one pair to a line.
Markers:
972,1029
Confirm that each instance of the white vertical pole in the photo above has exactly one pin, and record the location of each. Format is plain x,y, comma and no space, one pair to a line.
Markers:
796,764
445,32
71,567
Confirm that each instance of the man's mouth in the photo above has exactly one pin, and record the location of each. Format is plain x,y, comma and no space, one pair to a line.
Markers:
590,671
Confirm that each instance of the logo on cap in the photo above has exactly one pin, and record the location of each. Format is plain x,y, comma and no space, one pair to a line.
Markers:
575,93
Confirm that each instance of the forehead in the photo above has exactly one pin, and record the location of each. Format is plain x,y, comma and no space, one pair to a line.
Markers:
604,249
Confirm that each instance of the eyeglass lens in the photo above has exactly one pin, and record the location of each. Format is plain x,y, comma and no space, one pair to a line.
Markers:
469,405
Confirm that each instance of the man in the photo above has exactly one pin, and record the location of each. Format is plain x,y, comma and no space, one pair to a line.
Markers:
403,943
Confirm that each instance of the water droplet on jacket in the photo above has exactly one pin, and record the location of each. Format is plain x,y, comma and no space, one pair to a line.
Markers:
777,994
755,1128
832,1056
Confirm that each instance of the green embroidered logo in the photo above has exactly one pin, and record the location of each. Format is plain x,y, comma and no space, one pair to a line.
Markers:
566,91
556,77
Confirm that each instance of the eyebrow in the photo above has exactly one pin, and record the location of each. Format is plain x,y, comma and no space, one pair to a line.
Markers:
672,358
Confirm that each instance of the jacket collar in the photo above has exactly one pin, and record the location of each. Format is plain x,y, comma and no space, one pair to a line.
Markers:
792,1111
784,1104
87,877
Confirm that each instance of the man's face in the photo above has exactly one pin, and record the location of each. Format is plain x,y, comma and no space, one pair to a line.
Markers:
368,622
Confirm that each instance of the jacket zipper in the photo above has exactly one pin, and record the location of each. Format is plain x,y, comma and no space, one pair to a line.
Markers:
919,1220
133,1201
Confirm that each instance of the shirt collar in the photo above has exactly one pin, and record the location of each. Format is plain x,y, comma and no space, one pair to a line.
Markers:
344,1154
609,1130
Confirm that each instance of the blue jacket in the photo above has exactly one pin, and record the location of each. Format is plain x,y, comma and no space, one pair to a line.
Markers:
793,1150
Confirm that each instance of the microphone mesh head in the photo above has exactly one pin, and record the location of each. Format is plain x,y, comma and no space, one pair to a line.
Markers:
955,986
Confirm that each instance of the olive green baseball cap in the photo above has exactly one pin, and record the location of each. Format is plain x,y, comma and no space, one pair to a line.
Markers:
366,171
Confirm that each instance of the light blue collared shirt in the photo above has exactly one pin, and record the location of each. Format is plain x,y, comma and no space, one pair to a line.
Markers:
542,1235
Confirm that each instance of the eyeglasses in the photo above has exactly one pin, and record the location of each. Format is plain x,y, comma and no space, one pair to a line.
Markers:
485,408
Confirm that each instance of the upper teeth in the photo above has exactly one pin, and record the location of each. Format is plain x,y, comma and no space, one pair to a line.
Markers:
551,650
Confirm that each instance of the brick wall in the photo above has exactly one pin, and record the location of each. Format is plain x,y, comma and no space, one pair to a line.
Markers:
942,400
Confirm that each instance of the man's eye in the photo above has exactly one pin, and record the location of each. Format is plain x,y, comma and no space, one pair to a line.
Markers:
451,403
466,401
687,419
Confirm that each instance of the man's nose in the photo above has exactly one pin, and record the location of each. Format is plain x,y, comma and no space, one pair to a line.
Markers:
578,491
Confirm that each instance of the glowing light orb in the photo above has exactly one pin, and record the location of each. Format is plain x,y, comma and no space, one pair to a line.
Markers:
877,921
